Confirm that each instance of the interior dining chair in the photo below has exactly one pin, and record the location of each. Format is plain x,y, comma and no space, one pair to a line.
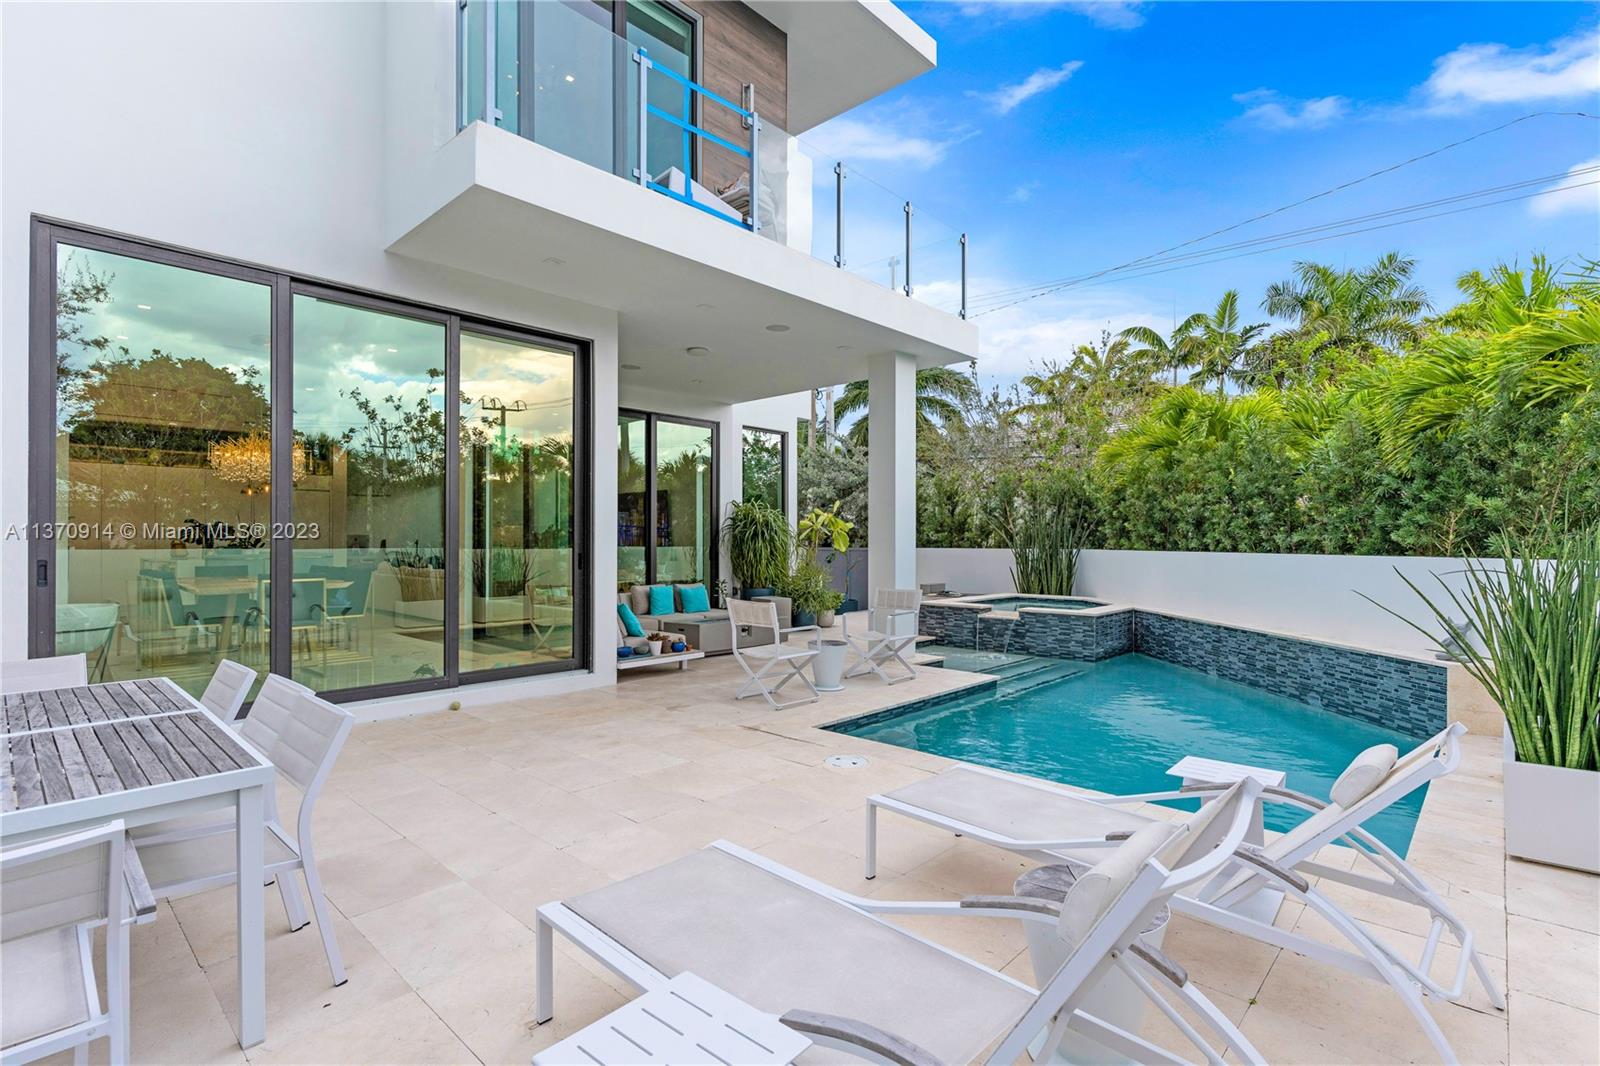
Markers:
53,893
34,675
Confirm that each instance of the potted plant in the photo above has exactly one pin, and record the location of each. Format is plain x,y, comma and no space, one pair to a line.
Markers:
816,529
809,590
759,543
1531,637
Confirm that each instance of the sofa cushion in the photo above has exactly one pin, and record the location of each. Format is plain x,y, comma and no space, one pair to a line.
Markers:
693,599
661,600
629,620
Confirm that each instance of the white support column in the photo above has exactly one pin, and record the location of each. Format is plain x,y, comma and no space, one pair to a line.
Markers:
891,471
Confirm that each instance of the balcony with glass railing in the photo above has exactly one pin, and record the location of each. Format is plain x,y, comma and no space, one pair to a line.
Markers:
556,74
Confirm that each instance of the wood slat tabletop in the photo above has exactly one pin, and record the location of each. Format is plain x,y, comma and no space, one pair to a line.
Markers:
95,740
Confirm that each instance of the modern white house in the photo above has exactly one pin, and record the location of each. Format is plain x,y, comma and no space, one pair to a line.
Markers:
352,340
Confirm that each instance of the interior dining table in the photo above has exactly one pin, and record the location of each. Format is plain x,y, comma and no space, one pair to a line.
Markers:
231,589
142,751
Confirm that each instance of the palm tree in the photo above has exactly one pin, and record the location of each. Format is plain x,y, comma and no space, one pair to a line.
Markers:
1161,352
1370,308
940,393
1186,415
1218,344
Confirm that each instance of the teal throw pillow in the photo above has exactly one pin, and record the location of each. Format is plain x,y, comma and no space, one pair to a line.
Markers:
630,621
661,599
695,599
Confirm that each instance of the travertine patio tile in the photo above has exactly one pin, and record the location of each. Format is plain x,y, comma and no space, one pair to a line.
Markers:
968,868
837,868
472,848
561,818
696,779
634,849
995,942
208,922
701,823
786,810
429,809
1555,962
1554,895
441,932
541,875
1543,1031
1219,959
365,879
177,1020
635,801
375,780
401,1032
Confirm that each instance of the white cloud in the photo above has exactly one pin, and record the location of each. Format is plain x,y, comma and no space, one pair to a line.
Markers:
1478,74
1024,192
1107,14
1020,338
1008,98
881,141
1584,200
1271,110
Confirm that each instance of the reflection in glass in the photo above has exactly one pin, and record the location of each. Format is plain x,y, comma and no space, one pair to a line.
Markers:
632,521
517,581
367,603
668,37
763,466
683,502
162,414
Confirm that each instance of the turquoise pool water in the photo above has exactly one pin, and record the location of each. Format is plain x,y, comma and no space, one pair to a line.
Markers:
1011,603
1115,726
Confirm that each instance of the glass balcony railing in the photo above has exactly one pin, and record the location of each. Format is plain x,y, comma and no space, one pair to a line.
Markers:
555,73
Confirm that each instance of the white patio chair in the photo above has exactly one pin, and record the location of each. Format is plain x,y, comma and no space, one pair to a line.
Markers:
225,693
52,894
301,734
1050,824
34,675
888,635
837,971
766,663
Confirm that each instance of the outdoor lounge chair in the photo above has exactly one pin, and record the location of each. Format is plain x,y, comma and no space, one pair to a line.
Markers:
888,636
1051,824
838,972
766,663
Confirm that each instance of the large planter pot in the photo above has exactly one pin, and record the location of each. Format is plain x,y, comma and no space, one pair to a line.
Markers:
1552,813
487,610
803,618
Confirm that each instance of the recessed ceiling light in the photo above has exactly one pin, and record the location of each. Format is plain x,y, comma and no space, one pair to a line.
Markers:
143,307
704,307
394,349
122,336
698,350
632,366
571,78
777,327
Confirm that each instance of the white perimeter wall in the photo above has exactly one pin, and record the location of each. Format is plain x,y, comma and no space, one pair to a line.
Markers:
257,132
1316,596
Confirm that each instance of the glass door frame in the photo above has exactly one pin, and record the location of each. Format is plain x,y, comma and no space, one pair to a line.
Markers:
47,235
714,553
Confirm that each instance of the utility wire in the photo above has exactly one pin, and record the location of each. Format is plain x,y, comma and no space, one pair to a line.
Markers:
1046,287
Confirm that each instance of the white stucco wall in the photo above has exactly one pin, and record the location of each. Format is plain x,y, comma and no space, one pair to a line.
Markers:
1316,596
258,132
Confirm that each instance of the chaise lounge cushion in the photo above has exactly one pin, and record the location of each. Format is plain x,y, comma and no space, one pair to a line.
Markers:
1365,772
780,947
1017,810
1097,888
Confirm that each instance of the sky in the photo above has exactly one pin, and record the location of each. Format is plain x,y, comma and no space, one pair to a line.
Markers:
1067,138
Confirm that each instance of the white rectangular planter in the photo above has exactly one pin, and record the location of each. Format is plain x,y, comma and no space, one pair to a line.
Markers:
1552,813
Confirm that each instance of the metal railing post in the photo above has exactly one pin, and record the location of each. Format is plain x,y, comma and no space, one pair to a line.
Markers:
491,30
908,247
642,171
838,213
963,275
755,172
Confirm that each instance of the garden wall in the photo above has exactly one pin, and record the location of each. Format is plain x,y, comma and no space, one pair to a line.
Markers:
1307,595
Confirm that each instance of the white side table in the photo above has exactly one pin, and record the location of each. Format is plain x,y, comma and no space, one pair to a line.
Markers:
1194,770
827,669
687,1022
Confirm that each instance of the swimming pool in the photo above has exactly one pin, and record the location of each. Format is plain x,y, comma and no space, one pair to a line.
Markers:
1116,725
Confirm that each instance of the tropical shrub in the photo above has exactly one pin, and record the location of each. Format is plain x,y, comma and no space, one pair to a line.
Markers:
759,542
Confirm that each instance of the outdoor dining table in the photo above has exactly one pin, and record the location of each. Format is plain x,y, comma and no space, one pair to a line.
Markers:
143,751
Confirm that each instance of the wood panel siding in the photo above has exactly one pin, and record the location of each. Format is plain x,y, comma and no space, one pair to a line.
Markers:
738,46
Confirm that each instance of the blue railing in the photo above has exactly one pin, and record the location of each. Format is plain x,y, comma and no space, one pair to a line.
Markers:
691,89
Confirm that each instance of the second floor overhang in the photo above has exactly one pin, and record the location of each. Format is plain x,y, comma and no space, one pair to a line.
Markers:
771,318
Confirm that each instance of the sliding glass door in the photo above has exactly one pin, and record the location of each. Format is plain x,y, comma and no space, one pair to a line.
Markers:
666,500
366,495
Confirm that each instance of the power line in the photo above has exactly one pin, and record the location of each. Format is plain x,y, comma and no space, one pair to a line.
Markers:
1297,203
1273,237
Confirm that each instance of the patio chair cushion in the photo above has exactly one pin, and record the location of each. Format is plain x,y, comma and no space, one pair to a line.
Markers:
1104,883
41,985
1365,772
781,947
661,599
1016,809
694,598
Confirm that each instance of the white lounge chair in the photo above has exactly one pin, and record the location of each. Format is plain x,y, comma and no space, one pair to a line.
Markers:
230,683
835,970
34,675
766,663
53,893
1052,824
301,734
888,636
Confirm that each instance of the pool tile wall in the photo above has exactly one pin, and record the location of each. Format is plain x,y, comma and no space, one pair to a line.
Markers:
1402,694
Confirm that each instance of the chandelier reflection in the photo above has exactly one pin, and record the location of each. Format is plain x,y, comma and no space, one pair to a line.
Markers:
247,461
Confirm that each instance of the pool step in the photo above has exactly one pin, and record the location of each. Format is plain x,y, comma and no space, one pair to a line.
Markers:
1046,674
